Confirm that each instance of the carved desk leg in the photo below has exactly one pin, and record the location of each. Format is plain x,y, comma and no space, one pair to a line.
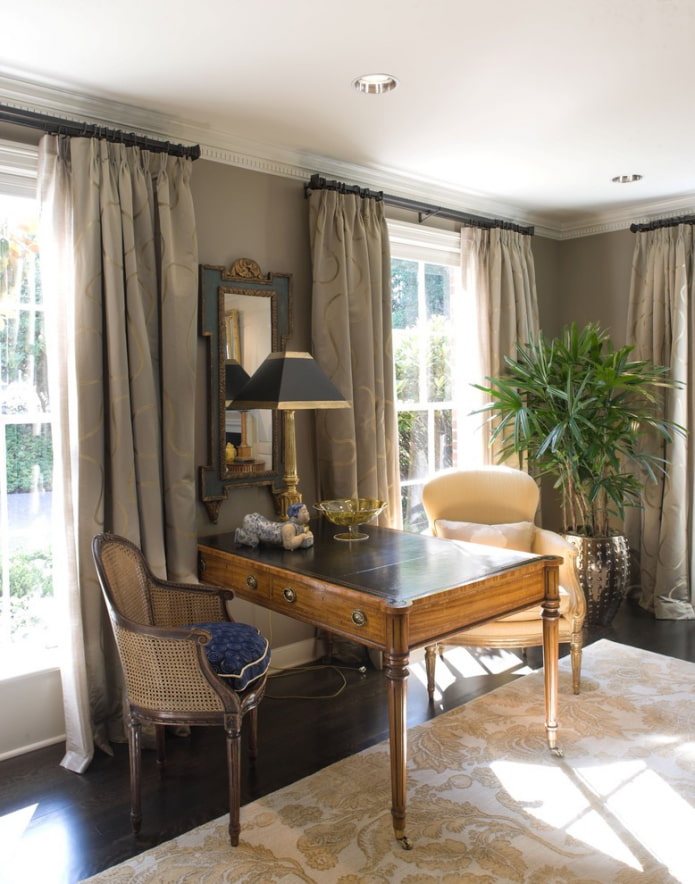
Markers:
396,669
551,631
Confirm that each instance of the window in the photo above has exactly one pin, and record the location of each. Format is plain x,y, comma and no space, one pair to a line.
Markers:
27,620
436,359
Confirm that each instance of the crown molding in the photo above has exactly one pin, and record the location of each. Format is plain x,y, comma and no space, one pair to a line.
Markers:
58,101
618,219
223,147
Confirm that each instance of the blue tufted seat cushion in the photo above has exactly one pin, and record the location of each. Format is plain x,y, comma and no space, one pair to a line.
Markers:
236,651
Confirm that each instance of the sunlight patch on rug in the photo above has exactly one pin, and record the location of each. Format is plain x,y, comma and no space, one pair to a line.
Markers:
487,802
651,810
551,796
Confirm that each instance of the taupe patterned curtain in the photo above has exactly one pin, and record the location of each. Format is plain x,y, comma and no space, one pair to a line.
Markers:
351,323
498,271
119,269
660,325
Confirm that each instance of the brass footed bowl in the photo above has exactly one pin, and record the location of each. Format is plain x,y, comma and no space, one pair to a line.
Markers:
349,513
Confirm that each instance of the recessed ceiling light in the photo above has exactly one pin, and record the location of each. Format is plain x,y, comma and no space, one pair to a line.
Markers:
626,179
375,84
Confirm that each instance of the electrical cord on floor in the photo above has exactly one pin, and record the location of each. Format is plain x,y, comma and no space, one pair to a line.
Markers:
337,668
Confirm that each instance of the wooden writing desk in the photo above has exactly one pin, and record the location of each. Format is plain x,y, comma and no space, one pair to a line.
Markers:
394,592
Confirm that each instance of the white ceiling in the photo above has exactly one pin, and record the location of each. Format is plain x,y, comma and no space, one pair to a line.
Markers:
524,110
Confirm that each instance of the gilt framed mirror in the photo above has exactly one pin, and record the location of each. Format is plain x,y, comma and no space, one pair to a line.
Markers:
244,316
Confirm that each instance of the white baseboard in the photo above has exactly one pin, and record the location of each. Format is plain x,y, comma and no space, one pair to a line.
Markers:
21,750
32,712
296,654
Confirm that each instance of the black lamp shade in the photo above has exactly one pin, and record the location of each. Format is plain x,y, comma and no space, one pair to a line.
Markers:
289,381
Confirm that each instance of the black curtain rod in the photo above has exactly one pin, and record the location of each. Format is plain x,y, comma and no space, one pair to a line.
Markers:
424,210
56,126
662,222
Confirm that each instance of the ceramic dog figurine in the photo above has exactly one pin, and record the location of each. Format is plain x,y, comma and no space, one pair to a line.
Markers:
292,534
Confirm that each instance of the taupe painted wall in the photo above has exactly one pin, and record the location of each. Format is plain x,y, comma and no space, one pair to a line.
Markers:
594,274
582,280
245,214
585,280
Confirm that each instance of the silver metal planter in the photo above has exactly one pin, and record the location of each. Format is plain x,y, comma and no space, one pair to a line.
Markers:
603,570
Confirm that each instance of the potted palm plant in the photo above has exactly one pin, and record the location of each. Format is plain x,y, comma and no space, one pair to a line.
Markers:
579,410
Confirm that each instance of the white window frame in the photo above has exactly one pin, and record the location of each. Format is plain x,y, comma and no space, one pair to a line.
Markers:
31,701
417,243
18,178
18,168
424,244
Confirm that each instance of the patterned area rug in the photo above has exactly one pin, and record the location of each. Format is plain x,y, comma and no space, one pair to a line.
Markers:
487,802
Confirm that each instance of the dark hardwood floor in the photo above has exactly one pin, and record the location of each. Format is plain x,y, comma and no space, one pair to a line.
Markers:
58,827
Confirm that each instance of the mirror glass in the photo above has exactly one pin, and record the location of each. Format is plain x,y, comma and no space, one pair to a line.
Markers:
247,341
245,316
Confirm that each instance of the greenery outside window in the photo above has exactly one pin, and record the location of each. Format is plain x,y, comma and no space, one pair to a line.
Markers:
28,639
436,361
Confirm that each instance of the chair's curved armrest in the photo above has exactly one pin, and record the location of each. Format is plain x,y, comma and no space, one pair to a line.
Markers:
195,588
549,543
195,634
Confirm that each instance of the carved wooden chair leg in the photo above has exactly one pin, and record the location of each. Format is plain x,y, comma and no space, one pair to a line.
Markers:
233,732
576,659
430,663
253,733
135,796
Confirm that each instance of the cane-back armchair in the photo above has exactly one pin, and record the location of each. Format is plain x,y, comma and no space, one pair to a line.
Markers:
185,662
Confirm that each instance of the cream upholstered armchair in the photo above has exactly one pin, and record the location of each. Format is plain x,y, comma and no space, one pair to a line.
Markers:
184,661
496,505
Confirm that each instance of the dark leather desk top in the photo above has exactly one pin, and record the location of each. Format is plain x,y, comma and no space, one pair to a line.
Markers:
394,565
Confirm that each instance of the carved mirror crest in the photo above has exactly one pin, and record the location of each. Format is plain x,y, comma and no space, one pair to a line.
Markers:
244,316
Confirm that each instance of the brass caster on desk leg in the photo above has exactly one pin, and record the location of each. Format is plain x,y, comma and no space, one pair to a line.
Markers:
551,733
553,746
406,843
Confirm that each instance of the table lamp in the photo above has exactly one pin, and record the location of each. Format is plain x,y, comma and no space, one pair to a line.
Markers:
235,377
287,382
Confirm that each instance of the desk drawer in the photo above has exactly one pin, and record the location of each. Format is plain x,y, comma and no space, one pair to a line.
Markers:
331,607
244,579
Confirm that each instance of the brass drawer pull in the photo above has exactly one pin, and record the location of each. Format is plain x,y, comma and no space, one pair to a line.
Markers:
251,582
359,618
289,595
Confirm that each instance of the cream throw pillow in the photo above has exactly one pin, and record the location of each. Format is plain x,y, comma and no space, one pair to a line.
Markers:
512,535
